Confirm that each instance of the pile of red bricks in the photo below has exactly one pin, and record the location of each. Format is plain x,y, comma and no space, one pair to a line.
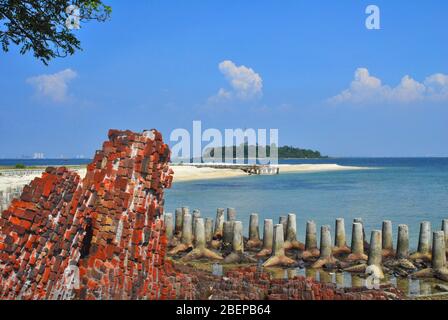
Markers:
100,237
250,284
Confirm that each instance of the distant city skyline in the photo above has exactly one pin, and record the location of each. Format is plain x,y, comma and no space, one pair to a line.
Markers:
310,69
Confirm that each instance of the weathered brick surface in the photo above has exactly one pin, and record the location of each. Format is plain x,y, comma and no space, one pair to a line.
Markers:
31,232
106,224
250,284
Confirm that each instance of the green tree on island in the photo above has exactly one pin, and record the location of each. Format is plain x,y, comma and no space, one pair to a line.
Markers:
284,152
39,26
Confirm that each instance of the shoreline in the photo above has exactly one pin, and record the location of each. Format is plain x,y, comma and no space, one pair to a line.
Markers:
288,168
186,173
13,177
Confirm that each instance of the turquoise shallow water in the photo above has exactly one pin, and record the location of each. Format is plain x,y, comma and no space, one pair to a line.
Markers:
402,190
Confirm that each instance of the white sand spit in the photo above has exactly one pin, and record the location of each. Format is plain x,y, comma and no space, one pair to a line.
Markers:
192,173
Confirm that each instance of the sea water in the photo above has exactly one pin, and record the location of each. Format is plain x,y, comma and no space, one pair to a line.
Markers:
404,190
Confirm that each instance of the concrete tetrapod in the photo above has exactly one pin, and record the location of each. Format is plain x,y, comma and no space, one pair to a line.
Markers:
326,253
340,242
357,243
283,220
196,216
219,229
200,250
254,241
227,237
311,249
403,242
387,240
169,229
291,234
424,243
186,237
366,244
445,230
231,214
178,222
438,265
268,230
208,230
238,255
219,223
402,255
278,257
376,254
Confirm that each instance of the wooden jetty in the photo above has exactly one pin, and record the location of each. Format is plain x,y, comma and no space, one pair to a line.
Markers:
251,169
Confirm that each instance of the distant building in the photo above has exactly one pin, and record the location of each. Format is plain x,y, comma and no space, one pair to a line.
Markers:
38,155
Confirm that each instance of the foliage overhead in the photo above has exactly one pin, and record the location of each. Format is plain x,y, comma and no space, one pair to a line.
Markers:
39,25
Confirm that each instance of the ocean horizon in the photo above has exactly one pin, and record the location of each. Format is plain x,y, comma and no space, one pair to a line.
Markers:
77,161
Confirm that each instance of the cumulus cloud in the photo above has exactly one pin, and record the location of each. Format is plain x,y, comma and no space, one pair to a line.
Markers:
53,86
245,83
437,86
367,89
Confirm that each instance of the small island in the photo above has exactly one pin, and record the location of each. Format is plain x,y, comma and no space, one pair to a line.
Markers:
284,152
289,152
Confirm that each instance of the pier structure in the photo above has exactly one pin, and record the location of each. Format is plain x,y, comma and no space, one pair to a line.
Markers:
251,169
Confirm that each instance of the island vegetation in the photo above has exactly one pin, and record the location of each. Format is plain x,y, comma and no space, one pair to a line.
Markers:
284,152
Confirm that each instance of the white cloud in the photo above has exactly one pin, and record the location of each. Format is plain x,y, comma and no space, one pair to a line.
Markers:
53,86
224,94
408,91
245,83
437,86
367,89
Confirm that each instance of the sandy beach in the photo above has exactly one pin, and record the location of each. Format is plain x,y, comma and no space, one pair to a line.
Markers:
191,173
288,168
183,173
11,181
22,177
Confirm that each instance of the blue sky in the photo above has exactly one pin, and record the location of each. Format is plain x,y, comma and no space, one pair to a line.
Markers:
309,68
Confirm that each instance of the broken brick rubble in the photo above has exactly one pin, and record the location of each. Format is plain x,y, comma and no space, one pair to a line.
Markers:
104,228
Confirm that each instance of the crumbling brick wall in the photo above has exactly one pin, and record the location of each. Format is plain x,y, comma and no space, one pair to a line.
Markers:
104,230
30,228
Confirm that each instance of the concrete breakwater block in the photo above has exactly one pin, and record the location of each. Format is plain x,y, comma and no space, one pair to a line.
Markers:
276,248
